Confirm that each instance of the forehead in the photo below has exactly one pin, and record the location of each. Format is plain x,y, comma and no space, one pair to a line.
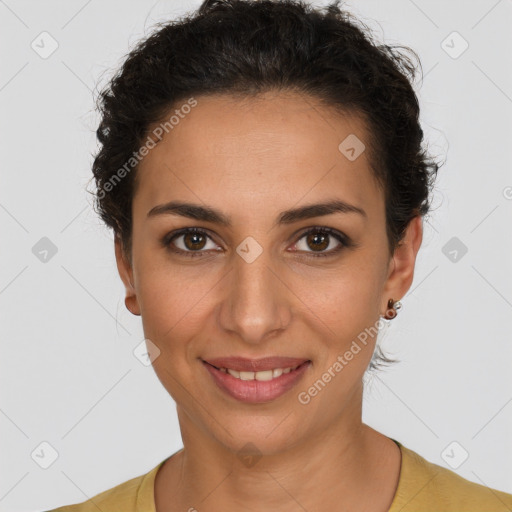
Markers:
274,149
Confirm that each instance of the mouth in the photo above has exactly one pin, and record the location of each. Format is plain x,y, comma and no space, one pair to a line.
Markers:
243,364
262,375
246,381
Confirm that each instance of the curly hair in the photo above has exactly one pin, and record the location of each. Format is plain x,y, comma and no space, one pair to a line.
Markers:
243,48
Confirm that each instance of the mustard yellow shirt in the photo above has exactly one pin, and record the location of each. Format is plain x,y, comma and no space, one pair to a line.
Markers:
422,487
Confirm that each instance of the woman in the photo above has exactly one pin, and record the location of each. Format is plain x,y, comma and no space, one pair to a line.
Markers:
262,168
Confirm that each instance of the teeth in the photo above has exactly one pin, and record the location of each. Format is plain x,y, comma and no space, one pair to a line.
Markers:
261,376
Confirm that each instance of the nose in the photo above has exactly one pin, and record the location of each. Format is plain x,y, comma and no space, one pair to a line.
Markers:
255,304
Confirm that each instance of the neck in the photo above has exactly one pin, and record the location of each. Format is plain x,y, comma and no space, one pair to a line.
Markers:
347,463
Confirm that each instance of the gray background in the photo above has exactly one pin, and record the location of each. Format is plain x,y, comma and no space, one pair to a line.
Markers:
68,374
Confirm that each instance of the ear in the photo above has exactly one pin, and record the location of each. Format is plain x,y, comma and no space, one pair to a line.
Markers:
402,263
125,270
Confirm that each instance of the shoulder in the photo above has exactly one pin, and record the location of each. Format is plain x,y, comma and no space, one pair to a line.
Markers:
133,495
424,486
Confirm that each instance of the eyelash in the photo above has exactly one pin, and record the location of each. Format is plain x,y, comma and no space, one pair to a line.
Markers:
345,242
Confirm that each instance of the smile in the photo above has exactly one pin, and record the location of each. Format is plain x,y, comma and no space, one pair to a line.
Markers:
264,375
256,386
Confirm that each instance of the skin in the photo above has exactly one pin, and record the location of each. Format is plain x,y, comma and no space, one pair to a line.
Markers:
253,159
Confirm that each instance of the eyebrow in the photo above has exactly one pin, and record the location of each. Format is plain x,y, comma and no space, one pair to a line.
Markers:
210,214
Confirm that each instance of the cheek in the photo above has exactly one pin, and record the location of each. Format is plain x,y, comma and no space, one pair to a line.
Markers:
345,320
174,317
343,311
174,301
345,298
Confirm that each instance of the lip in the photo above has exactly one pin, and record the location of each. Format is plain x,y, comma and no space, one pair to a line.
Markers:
255,391
243,364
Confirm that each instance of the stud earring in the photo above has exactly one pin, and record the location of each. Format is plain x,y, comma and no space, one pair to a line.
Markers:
392,309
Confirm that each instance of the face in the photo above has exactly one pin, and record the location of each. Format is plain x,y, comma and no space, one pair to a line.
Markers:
263,276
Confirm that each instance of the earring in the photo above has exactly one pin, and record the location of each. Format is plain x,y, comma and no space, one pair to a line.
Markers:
392,309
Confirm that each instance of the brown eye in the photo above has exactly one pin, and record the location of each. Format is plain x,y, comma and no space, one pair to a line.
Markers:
318,240
194,241
189,242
